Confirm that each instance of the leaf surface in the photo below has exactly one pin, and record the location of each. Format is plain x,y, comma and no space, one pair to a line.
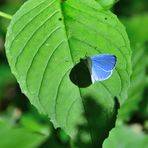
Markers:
119,137
138,83
19,137
47,38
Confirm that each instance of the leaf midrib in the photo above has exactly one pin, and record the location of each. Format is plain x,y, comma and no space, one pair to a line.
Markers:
73,62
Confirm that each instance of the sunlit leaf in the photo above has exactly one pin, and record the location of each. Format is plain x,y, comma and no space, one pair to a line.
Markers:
46,39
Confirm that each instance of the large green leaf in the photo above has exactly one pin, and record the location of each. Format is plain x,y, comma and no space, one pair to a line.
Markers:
19,137
46,39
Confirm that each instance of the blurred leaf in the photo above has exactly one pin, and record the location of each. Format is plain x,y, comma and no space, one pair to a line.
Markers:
64,138
10,7
143,107
107,4
33,125
146,126
138,37
3,25
124,137
138,82
136,27
58,139
6,78
11,115
46,39
19,137
131,7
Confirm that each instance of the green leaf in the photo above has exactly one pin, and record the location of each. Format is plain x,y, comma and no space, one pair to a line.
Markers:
138,38
19,137
137,34
124,136
107,4
33,125
6,78
46,39
138,82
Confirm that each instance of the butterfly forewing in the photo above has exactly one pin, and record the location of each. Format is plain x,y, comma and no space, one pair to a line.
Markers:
105,61
98,74
101,66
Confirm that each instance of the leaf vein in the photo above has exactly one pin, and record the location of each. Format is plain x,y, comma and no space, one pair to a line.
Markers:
116,69
33,34
69,110
57,93
104,38
46,68
26,25
18,19
100,20
29,68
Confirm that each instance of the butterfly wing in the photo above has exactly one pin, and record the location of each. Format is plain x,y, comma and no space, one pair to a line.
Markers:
98,74
106,62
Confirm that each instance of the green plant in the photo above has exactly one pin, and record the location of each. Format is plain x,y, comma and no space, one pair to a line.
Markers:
44,44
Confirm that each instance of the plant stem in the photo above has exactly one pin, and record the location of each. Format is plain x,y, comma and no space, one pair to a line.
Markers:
5,15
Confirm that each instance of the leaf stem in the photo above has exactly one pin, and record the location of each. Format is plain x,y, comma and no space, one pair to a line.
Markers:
5,15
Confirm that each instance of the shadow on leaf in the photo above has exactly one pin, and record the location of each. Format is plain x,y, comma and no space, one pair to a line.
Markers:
57,139
80,75
99,124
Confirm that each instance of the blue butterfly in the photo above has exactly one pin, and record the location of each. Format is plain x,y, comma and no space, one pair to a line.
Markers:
101,66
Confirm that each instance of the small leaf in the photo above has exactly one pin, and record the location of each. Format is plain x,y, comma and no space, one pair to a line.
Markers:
46,39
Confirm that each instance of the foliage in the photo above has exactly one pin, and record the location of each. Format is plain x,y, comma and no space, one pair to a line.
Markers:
123,136
44,44
138,82
5,79
56,49
107,4
27,140
137,35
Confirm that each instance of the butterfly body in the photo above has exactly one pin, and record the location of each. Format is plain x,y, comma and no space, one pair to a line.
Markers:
101,66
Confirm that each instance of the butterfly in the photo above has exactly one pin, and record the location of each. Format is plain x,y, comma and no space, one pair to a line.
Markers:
101,66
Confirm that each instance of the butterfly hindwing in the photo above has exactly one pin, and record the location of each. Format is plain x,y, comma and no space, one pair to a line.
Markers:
98,74
101,66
